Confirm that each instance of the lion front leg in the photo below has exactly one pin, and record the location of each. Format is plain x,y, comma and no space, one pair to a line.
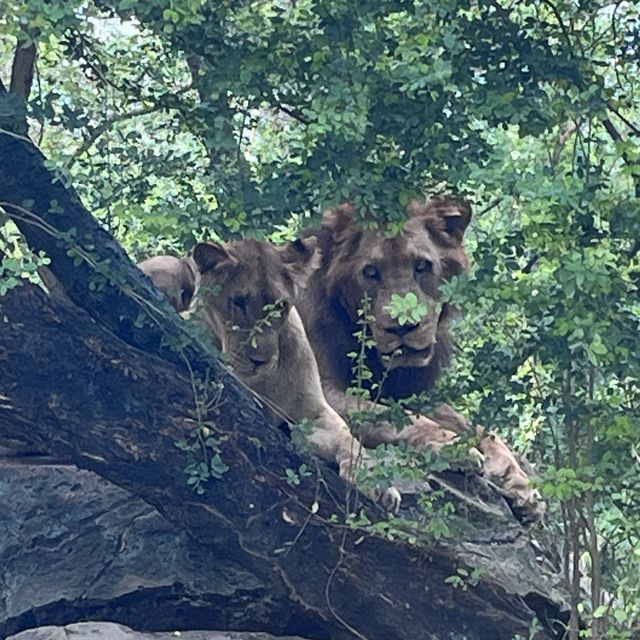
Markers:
354,458
331,440
502,467
498,462
424,433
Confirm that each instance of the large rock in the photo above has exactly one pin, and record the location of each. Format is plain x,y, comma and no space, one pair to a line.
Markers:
74,546
111,631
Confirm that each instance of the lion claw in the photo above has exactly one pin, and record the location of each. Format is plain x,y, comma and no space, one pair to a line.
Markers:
389,499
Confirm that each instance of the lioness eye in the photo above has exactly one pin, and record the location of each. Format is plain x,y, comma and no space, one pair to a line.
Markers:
371,272
422,265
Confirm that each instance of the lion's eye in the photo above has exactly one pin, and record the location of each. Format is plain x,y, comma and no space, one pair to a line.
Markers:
239,302
422,265
371,272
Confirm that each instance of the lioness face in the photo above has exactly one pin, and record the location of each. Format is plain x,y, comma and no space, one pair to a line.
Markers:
246,291
417,261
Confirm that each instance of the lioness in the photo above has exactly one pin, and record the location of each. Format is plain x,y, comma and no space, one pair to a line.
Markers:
407,357
175,277
246,293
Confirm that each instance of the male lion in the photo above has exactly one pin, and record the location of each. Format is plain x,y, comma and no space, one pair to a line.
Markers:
246,294
361,264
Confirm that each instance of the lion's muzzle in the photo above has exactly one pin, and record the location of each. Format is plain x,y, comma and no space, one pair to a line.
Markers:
407,345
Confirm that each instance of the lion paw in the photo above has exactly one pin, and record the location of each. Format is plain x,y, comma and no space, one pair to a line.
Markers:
528,506
389,499
502,468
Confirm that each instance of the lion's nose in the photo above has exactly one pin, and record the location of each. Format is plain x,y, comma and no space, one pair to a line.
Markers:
402,330
259,361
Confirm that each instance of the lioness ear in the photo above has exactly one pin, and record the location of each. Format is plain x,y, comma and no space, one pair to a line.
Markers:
208,255
338,220
447,218
302,257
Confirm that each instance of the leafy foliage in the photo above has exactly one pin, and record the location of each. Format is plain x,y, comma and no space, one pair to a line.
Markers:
17,262
406,309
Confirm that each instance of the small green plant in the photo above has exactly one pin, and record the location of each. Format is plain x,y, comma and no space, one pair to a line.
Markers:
295,477
360,372
271,313
465,578
406,309
202,447
393,413
438,517
300,432
17,262
203,456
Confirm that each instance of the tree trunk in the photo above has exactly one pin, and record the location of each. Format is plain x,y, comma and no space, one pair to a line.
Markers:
70,388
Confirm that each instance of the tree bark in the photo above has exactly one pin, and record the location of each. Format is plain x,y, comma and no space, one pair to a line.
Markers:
24,61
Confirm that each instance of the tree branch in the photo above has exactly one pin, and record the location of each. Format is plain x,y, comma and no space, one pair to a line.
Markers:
294,114
105,125
492,205
566,131
22,69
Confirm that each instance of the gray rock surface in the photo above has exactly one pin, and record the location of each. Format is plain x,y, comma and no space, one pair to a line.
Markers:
111,631
73,546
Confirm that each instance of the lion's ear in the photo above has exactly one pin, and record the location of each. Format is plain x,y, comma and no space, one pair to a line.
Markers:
339,220
208,255
302,257
448,218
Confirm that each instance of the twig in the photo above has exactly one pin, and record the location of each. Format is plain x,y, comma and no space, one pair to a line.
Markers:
294,114
531,263
22,69
492,205
39,82
634,128
327,588
562,26
106,125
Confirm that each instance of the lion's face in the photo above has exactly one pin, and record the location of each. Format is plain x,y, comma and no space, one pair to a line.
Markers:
246,290
417,261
